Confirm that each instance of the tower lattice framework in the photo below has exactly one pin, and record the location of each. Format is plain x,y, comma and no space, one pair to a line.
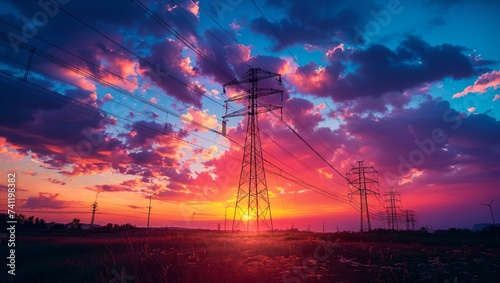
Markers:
393,205
252,209
364,180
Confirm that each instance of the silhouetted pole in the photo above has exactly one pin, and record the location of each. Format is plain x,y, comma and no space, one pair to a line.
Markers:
492,217
149,210
94,208
225,216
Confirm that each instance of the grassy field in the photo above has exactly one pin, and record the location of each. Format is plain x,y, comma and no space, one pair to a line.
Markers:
209,256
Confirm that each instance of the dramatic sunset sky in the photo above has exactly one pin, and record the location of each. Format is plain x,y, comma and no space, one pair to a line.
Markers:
125,98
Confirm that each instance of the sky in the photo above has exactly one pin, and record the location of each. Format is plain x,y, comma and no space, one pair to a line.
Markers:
126,99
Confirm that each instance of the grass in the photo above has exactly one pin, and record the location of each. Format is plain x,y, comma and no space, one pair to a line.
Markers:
209,256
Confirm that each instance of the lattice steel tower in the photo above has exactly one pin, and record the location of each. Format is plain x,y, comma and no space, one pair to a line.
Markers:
393,200
365,181
253,209
410,220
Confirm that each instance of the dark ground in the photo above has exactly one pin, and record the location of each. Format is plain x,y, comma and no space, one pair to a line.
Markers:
210,256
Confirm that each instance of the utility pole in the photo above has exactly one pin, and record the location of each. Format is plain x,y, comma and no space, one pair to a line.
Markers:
492,217
225,216
392,198
94,208
149,210
252,202
364,180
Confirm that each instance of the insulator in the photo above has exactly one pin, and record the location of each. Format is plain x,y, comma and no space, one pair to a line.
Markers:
224,127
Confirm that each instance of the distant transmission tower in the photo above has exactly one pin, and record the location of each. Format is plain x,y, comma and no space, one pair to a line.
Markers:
365,181
252,203
410,220
149,210
94,209
393,200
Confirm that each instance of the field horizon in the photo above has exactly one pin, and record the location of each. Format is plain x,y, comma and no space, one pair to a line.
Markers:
218,256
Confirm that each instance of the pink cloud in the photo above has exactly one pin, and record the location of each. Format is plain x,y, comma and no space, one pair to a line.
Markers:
171,8
77,79
124,68
482,84
310,78
330,52
56,181
235,25
47,200
194,8
199,118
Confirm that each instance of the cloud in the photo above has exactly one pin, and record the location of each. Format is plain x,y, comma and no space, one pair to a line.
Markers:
482,84
234,25
6,188
404,140
56,181
58,130
169,71
379,71
136,207
198,118
47,200
111,188
314,22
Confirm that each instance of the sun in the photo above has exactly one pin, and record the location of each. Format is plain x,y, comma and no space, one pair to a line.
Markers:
246,217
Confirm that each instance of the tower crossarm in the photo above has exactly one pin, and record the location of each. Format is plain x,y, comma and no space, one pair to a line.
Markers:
260,74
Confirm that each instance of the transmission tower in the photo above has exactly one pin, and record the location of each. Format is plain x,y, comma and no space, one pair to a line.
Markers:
393,200
410,220
252,210
149,210
364,180
94,209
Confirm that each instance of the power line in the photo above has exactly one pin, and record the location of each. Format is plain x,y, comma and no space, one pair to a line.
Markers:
179,36
296,61
207,30
94,65
85,106
316,152
294,179
105,83
306,75
138,57
291,100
